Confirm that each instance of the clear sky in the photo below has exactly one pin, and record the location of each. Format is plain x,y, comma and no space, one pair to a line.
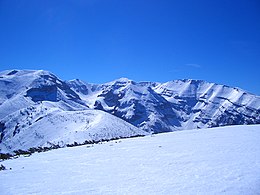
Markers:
145,40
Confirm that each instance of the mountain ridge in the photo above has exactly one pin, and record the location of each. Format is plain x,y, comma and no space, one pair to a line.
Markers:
151,107
184,95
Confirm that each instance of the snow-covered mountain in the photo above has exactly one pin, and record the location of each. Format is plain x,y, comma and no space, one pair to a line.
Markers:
23,88
37,108
174,105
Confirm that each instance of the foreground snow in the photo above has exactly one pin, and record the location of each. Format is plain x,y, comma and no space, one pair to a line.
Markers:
212,161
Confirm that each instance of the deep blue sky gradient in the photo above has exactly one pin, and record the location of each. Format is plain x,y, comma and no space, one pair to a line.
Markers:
156,40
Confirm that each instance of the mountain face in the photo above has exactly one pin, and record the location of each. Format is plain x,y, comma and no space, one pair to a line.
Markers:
20,89
174,105
39,109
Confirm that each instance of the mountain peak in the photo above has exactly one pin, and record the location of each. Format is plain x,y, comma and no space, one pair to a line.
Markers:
121,80
18,72
77,82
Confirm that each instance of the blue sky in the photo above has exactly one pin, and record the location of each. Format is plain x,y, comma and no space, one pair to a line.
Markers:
156,40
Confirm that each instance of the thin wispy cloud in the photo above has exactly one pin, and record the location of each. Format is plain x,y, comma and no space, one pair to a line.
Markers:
194,65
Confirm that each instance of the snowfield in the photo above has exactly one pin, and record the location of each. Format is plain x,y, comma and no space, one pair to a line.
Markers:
224,160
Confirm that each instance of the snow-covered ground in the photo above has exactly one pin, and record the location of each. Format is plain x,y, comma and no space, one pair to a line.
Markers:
222,160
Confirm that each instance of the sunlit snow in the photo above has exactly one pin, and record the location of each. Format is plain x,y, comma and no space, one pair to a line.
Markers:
222,160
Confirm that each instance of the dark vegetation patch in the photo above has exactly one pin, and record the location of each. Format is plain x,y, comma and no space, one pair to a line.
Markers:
27,153
2,168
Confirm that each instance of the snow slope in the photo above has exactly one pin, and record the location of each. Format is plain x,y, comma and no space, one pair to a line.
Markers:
46,126
224,160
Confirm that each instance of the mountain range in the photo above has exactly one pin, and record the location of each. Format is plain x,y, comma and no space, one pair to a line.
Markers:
39,109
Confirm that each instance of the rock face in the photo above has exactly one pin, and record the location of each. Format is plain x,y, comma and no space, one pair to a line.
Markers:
39,107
